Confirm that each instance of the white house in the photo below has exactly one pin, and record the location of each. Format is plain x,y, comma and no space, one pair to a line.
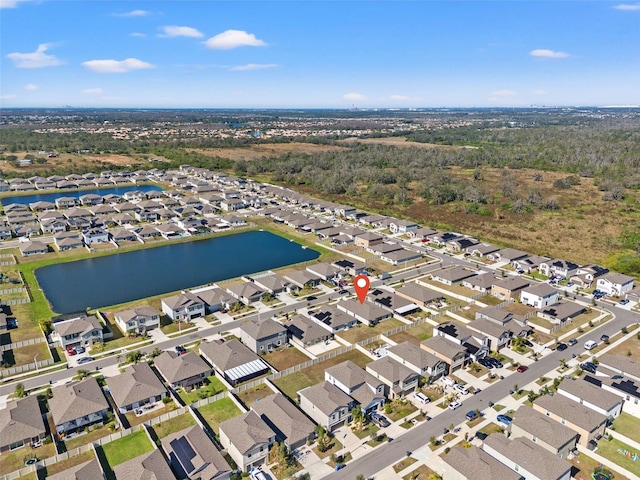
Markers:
539,295
184,306
615,284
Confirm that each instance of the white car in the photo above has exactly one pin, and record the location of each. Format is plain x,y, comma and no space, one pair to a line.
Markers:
454,405
449,381
590,345
422,397
461,388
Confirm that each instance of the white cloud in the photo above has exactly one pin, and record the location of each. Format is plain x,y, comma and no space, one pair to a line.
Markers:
93,91
545,53
133,13
354,96
31,87
540,92
253,66
10,3
234,39
399,98
628,7
8,97
503,93
37,59
138,34
177,31
117,66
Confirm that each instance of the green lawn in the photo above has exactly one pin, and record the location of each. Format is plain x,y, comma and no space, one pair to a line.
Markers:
126,448
415,334
173,425
628,425
283,358
217,412
609,449
211,387
400,410
366,431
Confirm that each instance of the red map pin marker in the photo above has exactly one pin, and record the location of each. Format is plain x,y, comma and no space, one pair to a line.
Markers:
361,285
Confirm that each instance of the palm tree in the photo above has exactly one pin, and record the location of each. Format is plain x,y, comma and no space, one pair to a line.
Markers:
563,363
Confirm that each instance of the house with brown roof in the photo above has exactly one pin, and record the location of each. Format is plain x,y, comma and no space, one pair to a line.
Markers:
146,466
388,299
138,385
182,371
589,424
137,320
263,335
305,332
192,454
368,313
454,354
326,404
539,295
562,312
184,307
473,463
233,360
553,436
82,331
247,438
272,283
21,424
247,292
592,396
291,426
368,239
509,287
90,470
423,363
78,405
481,282
419,295
351,267
325,271
360,385
527,458
453,275
399,379
215,299
475,343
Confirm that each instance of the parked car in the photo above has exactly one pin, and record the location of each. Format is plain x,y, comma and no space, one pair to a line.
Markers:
343,292
520,272
504,419
624,301
461,388
572,342
311,297
485,363
604,338
454,405
495,362
180,350
522,368
590,345
380,420
472,415
527,343
448,381
80,350
481,435
422,398
589,367
71,351
562,346
85,360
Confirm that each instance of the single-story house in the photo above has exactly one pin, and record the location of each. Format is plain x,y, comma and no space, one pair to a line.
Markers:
562,311
481,282
401,256
148,465
138,385
418,294
78,405
351,267
473,463
233,360
33,248
182,371
453,275
367,312
21,424
325,271
90,470
333,319
305,332
246,292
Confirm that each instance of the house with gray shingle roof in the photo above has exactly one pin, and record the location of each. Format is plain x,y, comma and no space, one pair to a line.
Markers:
453,353
473,463
83,331
233,360
272,283
263,336
290,425
90,470
399,379
543,430
77,405
305,332
204,460
453,275
418,294
368,313
333,319
326,404
21,424
138,320
527,458
359,384
246,292
182,371
325,271
137,386
419,360
215,299
184,307
592,396
247,439
33,248
148,466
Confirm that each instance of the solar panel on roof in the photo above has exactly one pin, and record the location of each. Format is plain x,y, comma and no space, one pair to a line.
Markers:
184,452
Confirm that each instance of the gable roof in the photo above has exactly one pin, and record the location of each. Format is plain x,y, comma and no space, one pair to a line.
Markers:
246,430
454,274
206,461
148,466
77,325
326,397
85,471
366,310
138,382
542,427
511,283
418,293
443,346
305,329
414,355
282,416
233,358
76,400
475,463
145,312
351,375
390,369
571,411
590,393
541,289
175,368
21,419
262,329
182,300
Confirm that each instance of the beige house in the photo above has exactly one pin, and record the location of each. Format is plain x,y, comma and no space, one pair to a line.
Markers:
454,354
539,428
326,404
473,464
508,288
247,439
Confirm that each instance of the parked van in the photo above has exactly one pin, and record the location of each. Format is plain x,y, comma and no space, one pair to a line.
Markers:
422,397
449,381
590,345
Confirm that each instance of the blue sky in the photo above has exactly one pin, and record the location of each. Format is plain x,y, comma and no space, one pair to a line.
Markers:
255,54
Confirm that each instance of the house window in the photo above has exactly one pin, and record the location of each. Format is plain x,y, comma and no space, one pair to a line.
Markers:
16,445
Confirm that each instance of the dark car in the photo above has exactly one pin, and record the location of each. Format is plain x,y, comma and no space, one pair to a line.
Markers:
485,363
181,350
472,415
343,292
311,297
481,435
495,362
85,360
572,342
504,419
527,343
604,338
624,301
562,346
522,368
589,367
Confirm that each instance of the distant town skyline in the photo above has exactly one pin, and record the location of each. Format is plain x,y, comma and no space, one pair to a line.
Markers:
318,54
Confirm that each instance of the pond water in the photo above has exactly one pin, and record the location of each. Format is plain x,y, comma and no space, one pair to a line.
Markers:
97,282
50,197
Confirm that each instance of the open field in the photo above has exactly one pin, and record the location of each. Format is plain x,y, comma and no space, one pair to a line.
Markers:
631,345
361,332
402,142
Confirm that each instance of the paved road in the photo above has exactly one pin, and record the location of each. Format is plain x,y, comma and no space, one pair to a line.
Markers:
418,436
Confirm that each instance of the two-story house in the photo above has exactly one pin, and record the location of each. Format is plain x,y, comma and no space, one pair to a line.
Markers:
183,307
399,379
615,284
454,354
138,320
182,371
83,331
360,385
553,436
539,295
420,361
138,385
558,268
592,396
78,405
247,438
263,336
326,404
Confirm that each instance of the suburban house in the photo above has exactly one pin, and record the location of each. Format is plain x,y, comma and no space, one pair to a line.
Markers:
367,312
589,395
624,387
393,302
615,284
148,465
497,327
138,385
399,379
475,343
402,226
561,312
360,385
401,256
541,429
247,438
77,332
215,299
67,241
473,463
421,233
95,235
441,238
305,332
303,279
558,268
291,426
33,248
184,307
368,239
203,460
454,354
481,282
137,320
263,336
587,274
419,295
325,271
233,360
589,424
482,249
21,424
182,371
453,275
423,363
528,263
333,319
527,458
508,288
508,255
350,267
90,470
78,405
326,404
458,245
384,248
272,283
539,295
246,292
